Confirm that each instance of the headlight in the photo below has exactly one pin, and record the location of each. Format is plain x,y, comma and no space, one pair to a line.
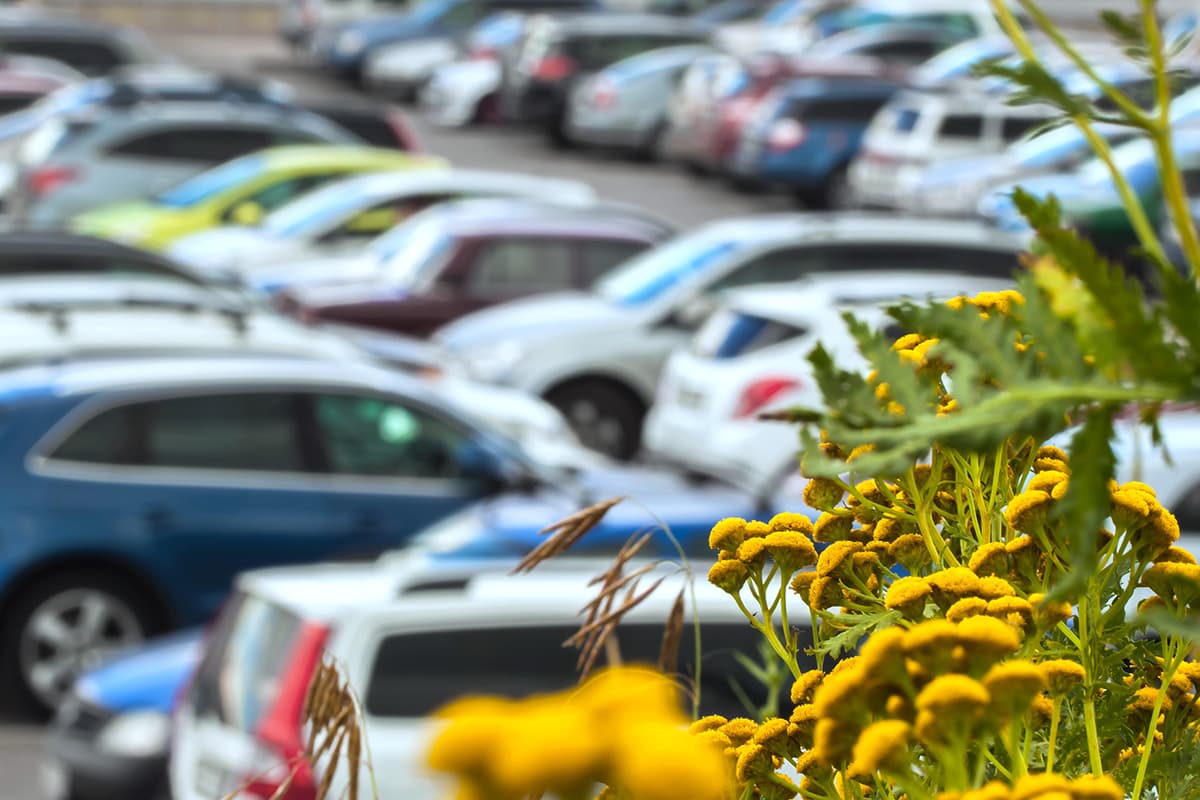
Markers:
351,42
493,362
138,734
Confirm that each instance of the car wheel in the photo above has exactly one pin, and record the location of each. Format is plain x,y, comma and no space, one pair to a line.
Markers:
606,417
487,111
651,149
64,625
838,195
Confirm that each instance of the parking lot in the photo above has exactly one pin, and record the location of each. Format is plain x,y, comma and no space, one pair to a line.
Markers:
681,199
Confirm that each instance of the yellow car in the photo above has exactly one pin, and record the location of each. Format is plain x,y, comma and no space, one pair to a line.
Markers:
238,192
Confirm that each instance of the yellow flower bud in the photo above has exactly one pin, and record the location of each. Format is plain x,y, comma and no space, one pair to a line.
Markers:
908,595
1013,685
910,550
832,527
1027,511
791,550
823,493
836,557
967,607
989,559
804,686
1062,675
727,534
710,723
729,576
1091,787
802,583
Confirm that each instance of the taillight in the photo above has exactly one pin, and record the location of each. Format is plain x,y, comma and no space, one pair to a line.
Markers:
554,68
604,94
405,136
761,392
785,134
281,727
46,179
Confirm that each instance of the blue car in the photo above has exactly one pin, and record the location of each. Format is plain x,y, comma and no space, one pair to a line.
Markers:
806,133
344,48
137,489
110,737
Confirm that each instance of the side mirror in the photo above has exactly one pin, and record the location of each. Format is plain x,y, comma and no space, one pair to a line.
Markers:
373,221
480,465
248,213
692,313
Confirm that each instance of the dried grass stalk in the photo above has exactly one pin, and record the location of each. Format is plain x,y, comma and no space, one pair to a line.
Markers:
565,533
668,656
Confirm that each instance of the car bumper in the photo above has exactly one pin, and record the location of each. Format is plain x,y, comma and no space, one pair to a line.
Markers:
606,135
748,452
75,768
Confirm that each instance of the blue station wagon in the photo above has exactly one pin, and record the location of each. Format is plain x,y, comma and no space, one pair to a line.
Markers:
136,490
805,134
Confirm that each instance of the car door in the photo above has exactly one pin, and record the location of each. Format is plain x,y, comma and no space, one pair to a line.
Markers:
393,466
505,268
209,484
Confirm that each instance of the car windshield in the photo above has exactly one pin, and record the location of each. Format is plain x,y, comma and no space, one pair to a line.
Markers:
314,212
958,61
208,185
785,10
646,277
412,251
1049,148
430,10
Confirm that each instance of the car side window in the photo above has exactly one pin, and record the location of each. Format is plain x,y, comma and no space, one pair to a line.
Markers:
371,436
207,144
905,257
281,191
778,266
521,265
1015,128
380,217
914,52
600,257
89,57
962,126
256,432
854,110
415,673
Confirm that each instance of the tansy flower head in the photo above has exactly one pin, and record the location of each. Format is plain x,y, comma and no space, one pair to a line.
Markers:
656,762
1016,611
1013,685
802,583
739,729
833,741
883,655
908,596
715,739
1176,555
1059,490
889,529
727,534
832,527
802,723
804,686
993,587
1033,786
835,557
881,747
825,593
1131,509
967,607
931,643
1172,580
752,552
1040,711
791,550
1091,787
1045,481
955,703
1138,486
989,559
753,762
910,551
1062,675
773,735
1050,451
1028,511
710,723
908,341
1158,534
951,584
729,576
882,551
994,790
987,640
840,695
756,529
823,493
1024,557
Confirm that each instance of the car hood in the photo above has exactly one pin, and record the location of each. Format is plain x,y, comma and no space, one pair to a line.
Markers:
148,677
297,277
509,525
533,317
140,223
226,247
318,294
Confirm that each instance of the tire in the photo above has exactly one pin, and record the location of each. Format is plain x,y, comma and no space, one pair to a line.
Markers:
97,611
651,149
838,196
487,110
605,416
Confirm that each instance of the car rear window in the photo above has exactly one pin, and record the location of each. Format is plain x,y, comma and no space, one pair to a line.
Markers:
415,673
729,334
251,642
962,126
1014,128
213,182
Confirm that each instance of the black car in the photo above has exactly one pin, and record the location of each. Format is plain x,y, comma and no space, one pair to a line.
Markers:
559,51
57,254
93,48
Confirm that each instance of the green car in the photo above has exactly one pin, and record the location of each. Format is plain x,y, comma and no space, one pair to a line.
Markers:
238,192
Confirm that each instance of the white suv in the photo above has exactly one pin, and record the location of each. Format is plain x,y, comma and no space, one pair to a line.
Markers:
751,357
408,644
916,129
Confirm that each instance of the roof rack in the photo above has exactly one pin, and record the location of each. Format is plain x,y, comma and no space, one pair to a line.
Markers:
60,312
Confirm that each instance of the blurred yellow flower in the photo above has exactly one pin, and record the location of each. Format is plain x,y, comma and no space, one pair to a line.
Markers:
1092,787
1062,675
1029,787
804,686
881,747
989,559
833,741
1013,685
823,494
987,639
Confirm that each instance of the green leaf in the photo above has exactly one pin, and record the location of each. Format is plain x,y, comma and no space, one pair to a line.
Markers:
1086,505
1167,623
862,626
1125,28
1041,214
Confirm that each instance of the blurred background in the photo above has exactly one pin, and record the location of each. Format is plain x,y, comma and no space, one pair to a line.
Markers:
340,302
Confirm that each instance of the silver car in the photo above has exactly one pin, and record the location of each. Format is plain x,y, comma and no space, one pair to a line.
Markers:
75,162
597,356
625,105
342,217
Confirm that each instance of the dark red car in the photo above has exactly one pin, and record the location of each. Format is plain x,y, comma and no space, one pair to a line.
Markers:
465,255
718,128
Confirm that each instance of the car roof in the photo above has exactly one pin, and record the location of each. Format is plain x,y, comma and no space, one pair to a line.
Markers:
22,242
79,377
487,592
866,227
477,216
397,182
304,156
968,98
792,301
200,110
604,23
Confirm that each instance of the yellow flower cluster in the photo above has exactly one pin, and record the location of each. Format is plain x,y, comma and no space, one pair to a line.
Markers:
744,547
1044,786
623,728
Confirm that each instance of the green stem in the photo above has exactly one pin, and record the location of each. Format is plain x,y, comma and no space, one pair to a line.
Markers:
1054,718
1171,662
1015,751
1089,684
